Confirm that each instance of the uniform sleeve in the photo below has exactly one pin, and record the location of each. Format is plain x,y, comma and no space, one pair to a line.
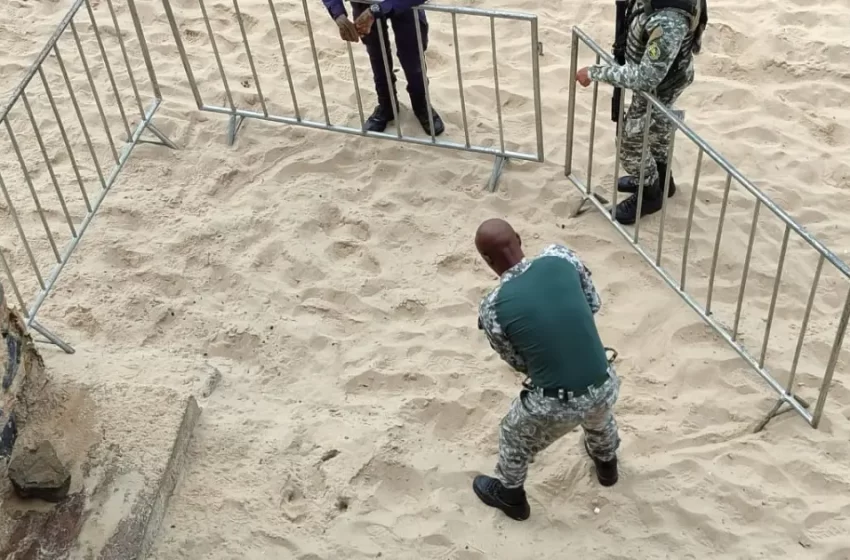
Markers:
585,276
499,342
335,8
666,29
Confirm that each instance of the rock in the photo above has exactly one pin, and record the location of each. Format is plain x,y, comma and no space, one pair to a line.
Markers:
38,473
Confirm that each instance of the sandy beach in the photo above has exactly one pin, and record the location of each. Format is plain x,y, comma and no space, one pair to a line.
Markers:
333,282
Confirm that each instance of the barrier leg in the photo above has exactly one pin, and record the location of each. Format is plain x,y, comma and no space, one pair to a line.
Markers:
233,128
51,338
498,166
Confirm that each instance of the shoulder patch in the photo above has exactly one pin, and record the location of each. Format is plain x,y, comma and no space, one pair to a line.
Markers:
653,51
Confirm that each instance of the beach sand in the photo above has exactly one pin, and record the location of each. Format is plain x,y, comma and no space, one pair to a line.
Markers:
333,283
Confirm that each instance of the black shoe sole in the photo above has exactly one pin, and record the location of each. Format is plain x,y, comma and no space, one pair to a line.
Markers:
522,515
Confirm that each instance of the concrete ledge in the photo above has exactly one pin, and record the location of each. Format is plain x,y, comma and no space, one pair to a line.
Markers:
125,446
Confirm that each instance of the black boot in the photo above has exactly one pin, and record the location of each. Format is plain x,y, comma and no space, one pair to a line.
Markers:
422,116
653,200
630,183
606,471
380,118
511,501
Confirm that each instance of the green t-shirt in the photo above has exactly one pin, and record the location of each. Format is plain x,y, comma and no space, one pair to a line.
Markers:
540,320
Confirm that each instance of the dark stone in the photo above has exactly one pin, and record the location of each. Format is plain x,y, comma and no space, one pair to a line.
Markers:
13,346
8,435
38,473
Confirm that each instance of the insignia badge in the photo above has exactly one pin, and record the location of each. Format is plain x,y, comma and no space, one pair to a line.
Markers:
654,51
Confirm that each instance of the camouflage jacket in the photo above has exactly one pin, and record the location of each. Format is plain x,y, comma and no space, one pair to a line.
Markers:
488,320
659,54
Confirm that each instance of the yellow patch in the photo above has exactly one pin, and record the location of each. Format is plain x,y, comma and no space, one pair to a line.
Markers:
654,51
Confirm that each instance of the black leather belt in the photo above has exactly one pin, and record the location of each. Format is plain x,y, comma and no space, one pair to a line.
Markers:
562,394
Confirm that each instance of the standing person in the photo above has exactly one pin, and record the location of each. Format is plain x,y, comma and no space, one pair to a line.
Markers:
539,319
663,36
367,17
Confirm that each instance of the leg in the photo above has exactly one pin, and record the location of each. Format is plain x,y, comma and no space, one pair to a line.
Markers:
412,61
532,424
602,438
637,164
384,82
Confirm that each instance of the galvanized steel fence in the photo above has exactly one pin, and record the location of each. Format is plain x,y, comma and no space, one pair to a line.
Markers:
42,206
297,114
755,358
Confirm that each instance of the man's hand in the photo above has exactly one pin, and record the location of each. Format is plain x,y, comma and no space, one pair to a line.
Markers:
583,77
364,23
347,29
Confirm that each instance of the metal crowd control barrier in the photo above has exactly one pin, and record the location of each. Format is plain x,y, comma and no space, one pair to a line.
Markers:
238,115
25,100
731,336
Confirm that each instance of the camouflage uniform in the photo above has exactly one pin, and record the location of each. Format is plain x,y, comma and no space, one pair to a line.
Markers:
659,61
535,421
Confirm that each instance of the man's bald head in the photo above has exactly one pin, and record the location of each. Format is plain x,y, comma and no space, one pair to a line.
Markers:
498,244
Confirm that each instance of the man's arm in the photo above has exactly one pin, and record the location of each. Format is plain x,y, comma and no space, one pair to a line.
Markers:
667,29
488,322
584,274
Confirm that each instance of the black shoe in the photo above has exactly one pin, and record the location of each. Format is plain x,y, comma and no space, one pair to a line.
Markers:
653,200
511,501
422,117
380,118
606,471
629,183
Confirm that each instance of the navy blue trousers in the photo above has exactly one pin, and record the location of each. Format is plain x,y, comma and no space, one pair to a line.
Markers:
407,47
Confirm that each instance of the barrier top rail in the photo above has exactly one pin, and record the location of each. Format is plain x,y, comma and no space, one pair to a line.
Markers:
728,167
33,69
504,14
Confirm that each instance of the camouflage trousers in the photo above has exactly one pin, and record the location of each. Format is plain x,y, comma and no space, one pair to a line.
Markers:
660,132
535,422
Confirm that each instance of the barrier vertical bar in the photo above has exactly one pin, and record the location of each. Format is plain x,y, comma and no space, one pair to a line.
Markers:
776,285
47,163
21,233
94,93
592,139
217,56
108,69
175,31
571,106
535,77
644,153
619,144
80,118
665,194
690,222
35,199
316,61
64,135
833,361
460,80
250,58
717,240
356,86
805,324
424,72
496,83
146,55
753,229
286,62
393,98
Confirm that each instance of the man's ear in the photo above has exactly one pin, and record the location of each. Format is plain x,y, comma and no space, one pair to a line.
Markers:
519,240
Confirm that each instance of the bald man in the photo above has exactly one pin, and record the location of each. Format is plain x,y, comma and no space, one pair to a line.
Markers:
540,320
